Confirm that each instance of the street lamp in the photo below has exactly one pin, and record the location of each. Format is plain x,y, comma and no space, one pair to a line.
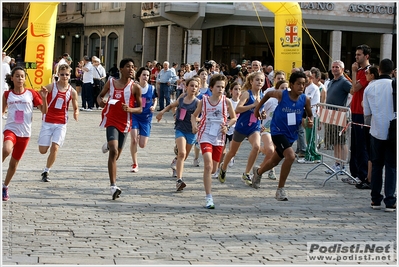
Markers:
62,36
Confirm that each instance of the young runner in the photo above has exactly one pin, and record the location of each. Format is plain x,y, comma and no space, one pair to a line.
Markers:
141,123
284,129
124,98
185,139
247,126
268,147
17,130
54,122
212,129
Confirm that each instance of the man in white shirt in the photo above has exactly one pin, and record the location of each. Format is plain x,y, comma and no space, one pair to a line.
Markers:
378,103
87,87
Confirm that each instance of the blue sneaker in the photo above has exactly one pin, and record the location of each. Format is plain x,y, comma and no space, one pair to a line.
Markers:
6,197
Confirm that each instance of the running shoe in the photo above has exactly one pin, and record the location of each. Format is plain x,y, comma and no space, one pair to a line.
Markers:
281,195
272,175
209,203
173,164
231,163
45,177
256,178
222,176
246,178
105,148
180,185
115,192
196,163
135,167
6,197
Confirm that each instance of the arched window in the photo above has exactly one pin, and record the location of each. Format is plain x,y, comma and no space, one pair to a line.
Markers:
112,50
94,45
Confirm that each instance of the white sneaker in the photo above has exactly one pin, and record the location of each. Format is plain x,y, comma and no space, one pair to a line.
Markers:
173,164
105,148
209,203
231,163
115,192
216,174
82,109
305,161
281,195
196,163
272,175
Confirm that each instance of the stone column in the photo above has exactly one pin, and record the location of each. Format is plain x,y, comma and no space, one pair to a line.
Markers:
175,44
386,46
162,44
335,46
194,41
149,46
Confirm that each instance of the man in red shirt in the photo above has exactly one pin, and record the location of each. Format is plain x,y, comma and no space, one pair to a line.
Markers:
359,158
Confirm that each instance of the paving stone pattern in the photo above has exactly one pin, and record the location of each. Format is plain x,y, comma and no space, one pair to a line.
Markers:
73,220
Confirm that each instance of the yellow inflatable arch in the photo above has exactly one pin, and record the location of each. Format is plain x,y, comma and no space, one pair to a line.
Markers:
39,52
287,35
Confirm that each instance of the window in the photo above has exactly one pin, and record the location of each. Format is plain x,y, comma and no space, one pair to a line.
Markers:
115,5
96,6
78,6
63,7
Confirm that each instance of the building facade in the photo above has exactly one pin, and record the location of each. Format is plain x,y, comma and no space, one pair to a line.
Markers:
198,31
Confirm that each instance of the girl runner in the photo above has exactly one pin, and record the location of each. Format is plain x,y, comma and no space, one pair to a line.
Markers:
141,123
17,130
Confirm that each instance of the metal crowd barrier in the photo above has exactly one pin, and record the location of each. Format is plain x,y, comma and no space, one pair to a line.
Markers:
337,132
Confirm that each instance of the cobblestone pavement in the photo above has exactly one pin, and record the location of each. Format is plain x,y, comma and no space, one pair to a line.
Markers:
73,220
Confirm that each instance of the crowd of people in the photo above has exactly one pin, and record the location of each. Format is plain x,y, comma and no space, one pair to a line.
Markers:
216,108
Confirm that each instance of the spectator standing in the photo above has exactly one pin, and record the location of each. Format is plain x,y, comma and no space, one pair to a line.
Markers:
87,86
234,70
358,155
99,75
79,76
165,78
312,92
378,103
337,94
114,72
6,70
